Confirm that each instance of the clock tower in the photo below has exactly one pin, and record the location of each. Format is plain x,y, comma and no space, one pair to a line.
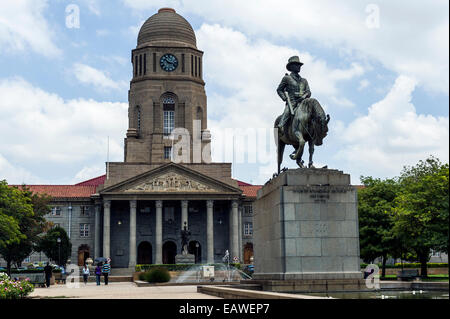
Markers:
167,92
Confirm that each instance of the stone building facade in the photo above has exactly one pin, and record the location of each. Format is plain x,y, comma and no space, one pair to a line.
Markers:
134,213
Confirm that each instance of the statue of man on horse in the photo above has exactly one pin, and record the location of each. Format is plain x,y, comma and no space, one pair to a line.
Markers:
303,119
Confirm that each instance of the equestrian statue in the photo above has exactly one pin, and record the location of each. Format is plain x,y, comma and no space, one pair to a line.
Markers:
303,119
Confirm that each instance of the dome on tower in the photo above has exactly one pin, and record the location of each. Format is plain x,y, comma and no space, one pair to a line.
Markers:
166,28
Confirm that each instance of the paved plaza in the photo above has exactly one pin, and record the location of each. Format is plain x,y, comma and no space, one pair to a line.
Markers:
120,290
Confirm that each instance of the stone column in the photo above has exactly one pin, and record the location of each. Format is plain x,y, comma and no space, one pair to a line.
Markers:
97,232
106,228
158,232
240,234
210,231
234,230
184,213
132,258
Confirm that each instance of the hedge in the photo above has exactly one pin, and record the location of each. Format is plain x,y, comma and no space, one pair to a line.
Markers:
410,265
31,271
179,267
156,275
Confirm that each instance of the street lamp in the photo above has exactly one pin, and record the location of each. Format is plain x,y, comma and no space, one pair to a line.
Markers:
196,246
59,248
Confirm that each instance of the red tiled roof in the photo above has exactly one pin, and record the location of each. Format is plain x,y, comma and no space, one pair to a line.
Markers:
250,190
96,181
62,191
241,183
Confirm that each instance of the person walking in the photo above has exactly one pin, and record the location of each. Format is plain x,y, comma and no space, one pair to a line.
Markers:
106,269
86,274
98,273
48,274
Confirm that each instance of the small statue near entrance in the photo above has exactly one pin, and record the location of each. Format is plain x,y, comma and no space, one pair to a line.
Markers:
185,234
185,257
303,119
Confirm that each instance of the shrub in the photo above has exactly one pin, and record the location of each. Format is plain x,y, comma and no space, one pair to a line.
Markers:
142,276
157,275
410,265
10,289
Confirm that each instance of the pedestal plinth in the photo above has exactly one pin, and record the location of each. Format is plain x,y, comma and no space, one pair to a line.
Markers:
306,235
185,259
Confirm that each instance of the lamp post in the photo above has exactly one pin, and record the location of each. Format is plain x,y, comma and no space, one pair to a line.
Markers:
196,247
59,250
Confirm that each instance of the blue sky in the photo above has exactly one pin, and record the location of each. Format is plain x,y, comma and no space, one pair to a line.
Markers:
380,69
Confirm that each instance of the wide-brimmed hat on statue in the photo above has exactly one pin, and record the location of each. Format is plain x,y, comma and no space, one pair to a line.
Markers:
293,60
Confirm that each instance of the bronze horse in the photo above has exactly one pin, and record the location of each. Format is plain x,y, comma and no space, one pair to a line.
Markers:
309,124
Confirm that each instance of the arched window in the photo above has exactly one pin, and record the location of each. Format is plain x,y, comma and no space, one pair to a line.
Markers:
169,115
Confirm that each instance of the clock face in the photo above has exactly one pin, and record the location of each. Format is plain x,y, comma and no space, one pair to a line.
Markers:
168,62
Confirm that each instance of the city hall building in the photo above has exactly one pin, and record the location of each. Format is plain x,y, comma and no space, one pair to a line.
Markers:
134,213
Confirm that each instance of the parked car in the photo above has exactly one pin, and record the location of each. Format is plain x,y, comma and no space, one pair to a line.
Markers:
2,269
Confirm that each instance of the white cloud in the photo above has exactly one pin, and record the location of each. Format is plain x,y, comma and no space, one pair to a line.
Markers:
14,174
99,79
413,38
23,27
88,172
363,84
245,76
41,128
392,135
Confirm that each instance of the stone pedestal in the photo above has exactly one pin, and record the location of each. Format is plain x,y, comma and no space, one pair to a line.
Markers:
185,259
306,235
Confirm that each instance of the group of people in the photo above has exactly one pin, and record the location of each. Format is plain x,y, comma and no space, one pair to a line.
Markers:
102,269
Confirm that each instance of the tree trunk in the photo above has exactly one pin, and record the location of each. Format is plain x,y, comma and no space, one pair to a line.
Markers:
8,268
423,258
383,269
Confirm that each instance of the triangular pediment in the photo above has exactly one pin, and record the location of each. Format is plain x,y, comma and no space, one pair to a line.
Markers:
171,178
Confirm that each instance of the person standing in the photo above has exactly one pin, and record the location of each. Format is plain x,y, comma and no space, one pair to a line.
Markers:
98,273
48,274
86,273
106,269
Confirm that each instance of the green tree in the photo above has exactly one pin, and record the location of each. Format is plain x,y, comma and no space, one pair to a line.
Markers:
421,215
16,210
58,252
375,201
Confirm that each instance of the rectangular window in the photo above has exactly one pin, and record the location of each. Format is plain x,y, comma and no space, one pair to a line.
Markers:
84,230
154,62
140,64
192,65
167,152
196,66
435,253
56,211
169,214
248,209
145,64
182,63
136,65
84,211
248,229
169,122
199,67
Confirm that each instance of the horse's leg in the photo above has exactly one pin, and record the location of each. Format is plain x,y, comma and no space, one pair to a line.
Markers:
311,152
299,153
280,150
